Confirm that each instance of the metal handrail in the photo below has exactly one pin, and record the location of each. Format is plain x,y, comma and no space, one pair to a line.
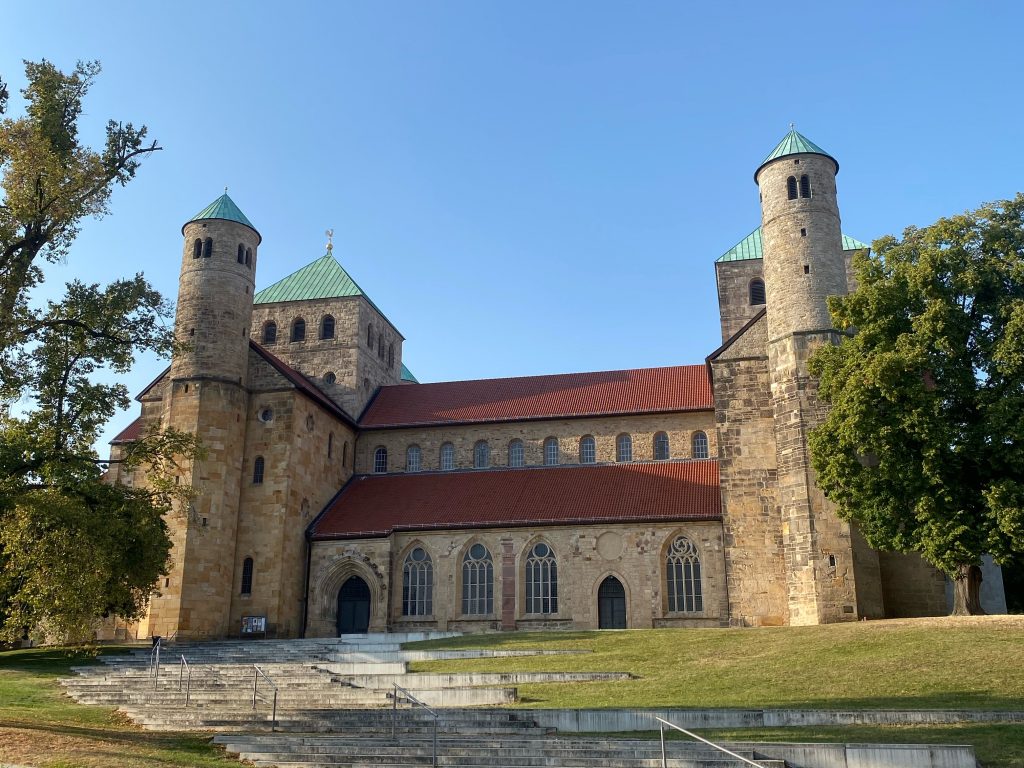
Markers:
182,668
417,703
154,662
255,684
664,761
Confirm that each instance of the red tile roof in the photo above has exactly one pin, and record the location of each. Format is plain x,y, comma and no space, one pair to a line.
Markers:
304,385
567,395
376,505
130,433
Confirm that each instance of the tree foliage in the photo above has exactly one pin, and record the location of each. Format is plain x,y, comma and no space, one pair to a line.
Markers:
924,443
73,547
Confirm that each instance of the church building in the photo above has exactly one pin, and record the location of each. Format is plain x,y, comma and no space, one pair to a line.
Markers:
339,495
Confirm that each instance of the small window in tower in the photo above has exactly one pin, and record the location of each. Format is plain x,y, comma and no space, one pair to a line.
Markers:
257,471
207,248
270,332
803,232
805,186
241,253
380,346
369,335
791,187
380,460
344,454
197,248
299,329
191,331
248,257
807,269
757,293
327,327
247,576
330,445
266,415
330,378
391,355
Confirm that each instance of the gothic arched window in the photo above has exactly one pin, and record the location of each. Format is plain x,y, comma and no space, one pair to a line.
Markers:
551,452
757,292
207,248
197,248
477,581
481,455
447,456
247,576
588,450
417,584
700,445
624,448
298,329
516,454
327,327
413,459
661,446
541,580
805,186
270,332
380,460
257,471
791,187
682,576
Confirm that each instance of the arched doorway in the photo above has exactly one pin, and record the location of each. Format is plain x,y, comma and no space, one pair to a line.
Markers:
611,604
353,607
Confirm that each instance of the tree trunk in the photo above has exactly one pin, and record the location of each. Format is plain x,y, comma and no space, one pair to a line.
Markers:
967,591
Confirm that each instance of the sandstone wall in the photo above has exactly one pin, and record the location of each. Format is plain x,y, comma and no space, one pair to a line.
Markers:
734,307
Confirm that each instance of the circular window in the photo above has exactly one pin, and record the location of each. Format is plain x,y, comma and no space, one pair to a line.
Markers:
477,552
266,415
330,378
418,554
309,423
541,550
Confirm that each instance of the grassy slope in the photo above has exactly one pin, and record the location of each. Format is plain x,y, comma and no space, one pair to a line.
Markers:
915,664
42,727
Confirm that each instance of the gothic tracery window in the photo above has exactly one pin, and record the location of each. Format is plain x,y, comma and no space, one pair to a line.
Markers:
477,581
683,580
541,580
417,584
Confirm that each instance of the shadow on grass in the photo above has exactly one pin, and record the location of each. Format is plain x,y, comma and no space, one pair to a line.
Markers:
56,660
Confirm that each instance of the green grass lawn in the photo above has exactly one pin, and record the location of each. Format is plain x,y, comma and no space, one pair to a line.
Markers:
40,726
975,663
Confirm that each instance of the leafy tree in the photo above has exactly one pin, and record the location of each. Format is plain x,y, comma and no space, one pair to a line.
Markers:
72,547
924,444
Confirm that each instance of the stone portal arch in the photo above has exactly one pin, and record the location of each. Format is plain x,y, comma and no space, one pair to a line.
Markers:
325,592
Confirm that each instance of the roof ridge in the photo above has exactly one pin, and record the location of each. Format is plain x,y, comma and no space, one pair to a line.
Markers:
552,375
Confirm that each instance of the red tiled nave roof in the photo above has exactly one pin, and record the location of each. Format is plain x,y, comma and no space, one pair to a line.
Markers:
130,433
377,505
642,390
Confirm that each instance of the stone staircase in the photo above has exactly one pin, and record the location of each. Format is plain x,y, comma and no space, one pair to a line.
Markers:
335,706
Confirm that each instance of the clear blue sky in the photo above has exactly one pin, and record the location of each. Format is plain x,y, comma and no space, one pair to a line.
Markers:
527,187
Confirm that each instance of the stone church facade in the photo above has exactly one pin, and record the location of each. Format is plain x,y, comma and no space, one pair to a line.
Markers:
337,494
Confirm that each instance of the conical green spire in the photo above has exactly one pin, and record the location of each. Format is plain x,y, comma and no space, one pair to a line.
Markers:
794,143
223,208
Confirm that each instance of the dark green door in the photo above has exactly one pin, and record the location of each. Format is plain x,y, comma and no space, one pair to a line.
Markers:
611,604
353,607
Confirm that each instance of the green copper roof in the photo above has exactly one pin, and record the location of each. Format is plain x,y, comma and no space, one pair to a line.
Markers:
407,375
223,208
750,247
325,278
794,143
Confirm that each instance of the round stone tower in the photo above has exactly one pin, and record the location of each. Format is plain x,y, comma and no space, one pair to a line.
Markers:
801,236
215,289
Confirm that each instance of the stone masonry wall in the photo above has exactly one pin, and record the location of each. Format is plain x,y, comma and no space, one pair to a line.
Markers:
734,307
586,555
680,428
358,369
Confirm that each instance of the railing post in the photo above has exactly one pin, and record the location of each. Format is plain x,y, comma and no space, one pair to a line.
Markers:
188,687
394,713
273,717
255,682
434,762
156,667
181,671
664,762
